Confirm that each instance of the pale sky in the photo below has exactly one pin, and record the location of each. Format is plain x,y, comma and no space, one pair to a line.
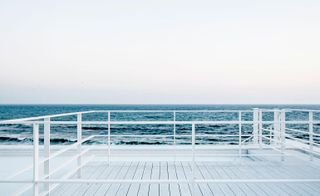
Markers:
161,52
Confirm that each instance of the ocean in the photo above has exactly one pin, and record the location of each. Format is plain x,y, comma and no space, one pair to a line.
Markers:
66,134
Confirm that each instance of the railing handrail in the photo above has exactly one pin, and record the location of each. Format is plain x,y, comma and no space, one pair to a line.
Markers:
42,117
119,111
24,120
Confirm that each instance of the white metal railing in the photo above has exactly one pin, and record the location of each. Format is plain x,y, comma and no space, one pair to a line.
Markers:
276,136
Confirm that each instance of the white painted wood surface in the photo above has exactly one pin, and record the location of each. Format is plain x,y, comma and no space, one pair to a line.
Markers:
247,168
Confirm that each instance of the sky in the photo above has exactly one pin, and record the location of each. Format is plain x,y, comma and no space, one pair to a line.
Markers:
160,52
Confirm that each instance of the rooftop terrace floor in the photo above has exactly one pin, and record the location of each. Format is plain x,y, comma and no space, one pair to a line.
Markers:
219,168
229,174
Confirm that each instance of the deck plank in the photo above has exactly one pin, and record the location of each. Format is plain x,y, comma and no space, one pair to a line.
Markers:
215,175
86,171
134,188
174,187
311,171
215,189
94,187
303,188
155,188
124,188
267,188
243,186
195,188
116,168
274,173
253,189
114,188
164,175
203,186
185,188
145,187
237,187
79,189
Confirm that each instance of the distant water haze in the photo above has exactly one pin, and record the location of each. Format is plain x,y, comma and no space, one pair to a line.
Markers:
166,52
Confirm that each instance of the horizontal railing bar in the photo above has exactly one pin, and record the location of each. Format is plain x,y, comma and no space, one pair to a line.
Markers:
301,110
131,122
171,111
148,122
300,122
303,132
299,131
268,110
198,143
187,157
42,117
187,135
121,111
116,181
151,181
16,181
236,155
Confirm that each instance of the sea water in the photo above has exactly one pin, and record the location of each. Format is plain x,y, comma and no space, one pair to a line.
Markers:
66,134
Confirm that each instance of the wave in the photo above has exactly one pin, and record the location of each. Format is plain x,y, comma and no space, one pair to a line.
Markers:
62,141
27,140
141,143
10,139
94,128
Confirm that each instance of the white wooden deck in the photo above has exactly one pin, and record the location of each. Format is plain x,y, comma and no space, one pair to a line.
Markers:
260,167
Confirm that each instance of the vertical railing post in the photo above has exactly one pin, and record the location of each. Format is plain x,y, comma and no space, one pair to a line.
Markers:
193,158
109,139
255,125
311,134
283,132
270,134
174,128
240,135
79,141
35,159
46,143
276,127
260,128
174,136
